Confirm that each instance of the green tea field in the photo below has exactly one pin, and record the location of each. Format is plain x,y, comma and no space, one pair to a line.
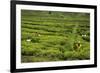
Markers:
54,36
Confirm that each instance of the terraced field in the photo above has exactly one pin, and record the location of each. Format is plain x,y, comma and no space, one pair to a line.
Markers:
54,36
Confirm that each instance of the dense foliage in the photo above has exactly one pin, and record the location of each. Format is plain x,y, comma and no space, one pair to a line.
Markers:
54,36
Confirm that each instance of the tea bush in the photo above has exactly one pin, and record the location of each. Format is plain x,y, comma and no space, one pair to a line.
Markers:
50,36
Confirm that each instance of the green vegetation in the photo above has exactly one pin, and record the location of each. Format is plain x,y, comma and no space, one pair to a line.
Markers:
54,36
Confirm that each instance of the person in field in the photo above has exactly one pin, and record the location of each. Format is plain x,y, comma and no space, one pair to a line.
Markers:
36,34
29,39
77,45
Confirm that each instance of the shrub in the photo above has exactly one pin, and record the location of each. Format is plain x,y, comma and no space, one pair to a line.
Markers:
52,53
76,55
35,39
87,38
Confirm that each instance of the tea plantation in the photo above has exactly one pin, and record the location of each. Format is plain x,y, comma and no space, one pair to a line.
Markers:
54,36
